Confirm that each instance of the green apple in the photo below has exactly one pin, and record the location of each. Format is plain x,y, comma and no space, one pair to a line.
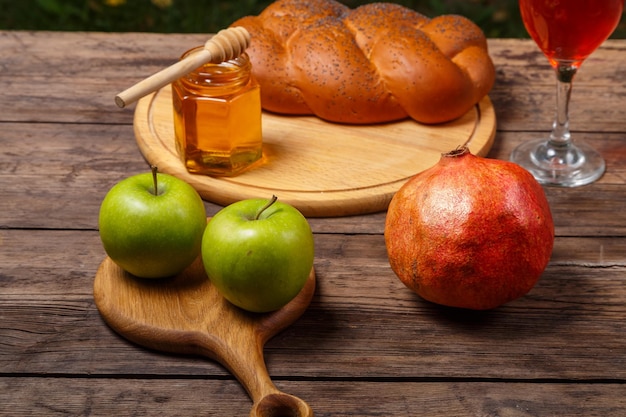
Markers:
258,253
151,224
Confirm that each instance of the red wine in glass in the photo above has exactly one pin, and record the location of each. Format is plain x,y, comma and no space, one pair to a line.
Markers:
567,32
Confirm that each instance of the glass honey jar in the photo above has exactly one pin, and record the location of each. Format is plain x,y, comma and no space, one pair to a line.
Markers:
217,117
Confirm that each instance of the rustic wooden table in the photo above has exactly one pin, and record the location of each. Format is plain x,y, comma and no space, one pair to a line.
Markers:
366,346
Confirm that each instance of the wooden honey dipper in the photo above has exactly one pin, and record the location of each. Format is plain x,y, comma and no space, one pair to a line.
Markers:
226,44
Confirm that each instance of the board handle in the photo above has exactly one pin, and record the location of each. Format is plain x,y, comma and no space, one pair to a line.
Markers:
244,359
281,404
268,401
242,355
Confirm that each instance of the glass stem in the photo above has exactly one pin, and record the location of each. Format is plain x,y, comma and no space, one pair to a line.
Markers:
560,136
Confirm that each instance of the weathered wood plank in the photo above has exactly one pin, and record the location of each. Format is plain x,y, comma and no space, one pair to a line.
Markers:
106,64
64,174
524,94
80,84
33,397
362,321
367,346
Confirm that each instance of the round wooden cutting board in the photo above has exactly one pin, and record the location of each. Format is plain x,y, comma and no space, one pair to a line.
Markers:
323,169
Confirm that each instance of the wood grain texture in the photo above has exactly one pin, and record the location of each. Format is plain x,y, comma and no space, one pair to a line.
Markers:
362,322
104,396
186,314
323,169
366,346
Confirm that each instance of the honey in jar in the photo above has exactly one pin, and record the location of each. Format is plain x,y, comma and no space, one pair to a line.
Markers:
217,117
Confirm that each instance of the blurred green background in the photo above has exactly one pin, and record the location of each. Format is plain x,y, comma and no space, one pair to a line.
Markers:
497,18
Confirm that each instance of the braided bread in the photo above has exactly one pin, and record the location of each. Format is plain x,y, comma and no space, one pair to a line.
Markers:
376,63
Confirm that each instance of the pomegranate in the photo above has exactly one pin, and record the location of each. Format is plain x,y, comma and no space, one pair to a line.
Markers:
470,232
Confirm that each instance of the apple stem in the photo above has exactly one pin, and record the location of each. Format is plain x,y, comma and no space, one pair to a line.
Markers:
155,169
265,207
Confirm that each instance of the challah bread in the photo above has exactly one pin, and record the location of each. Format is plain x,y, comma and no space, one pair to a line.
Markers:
376,63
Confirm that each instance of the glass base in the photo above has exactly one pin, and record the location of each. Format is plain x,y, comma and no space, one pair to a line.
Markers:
571,165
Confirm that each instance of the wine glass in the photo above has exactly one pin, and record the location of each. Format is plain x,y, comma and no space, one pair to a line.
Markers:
567,32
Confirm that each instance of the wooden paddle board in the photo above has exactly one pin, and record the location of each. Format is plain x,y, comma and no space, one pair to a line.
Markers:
323,169
186,314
